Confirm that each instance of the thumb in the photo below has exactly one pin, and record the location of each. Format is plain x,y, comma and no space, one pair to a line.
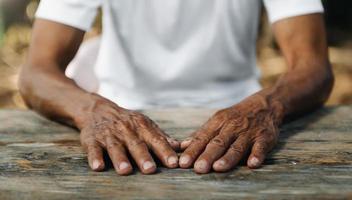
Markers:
186,142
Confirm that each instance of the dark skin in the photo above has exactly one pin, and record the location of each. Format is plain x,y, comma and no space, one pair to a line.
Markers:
250,127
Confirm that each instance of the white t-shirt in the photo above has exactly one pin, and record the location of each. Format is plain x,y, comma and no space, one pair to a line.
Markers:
169,53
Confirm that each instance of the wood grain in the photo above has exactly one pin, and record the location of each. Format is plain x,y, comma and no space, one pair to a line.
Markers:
41,159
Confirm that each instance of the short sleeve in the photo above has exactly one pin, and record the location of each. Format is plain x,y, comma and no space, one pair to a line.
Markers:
280,9
77,13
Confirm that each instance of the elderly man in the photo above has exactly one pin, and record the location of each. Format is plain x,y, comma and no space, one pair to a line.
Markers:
175,53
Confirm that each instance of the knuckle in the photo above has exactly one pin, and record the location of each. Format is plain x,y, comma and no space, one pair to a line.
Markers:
102,125
118,134
220,115
200,139
191,152
87,141
158,140
218,142
237,149
113,145
267,134
101,137
141,120
123,127
135,143
239,124
118,123
220,112
138,117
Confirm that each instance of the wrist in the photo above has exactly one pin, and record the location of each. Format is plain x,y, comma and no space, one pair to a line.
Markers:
278,111
271,101
86,109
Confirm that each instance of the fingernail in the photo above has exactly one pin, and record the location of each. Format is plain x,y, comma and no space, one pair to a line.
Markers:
123,165
172,160
220,163
201,165
96,164
148,165
185,159
253,161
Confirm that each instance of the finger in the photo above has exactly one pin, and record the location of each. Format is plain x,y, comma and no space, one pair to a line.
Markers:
93,149
140,153
213,151
197,146
233,155
185,143
175,145
161,148
95,156
257,156
118,156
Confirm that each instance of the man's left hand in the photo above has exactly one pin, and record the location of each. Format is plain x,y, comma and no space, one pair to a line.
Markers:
232,133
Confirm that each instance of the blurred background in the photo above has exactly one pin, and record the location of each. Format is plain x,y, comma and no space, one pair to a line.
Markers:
16,18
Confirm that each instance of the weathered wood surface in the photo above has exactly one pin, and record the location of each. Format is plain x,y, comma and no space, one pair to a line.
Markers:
41,159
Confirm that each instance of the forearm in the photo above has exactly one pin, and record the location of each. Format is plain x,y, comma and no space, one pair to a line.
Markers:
53,95
309,79
302,88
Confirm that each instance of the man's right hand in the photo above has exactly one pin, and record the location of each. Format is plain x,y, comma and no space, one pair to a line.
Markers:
104,125
123,132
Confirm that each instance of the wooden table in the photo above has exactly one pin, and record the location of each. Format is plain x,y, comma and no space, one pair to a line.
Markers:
41,159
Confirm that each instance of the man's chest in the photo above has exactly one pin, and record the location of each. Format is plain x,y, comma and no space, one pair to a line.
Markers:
178,20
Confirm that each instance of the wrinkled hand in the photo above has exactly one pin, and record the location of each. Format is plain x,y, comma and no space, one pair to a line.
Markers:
119,132
227,137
